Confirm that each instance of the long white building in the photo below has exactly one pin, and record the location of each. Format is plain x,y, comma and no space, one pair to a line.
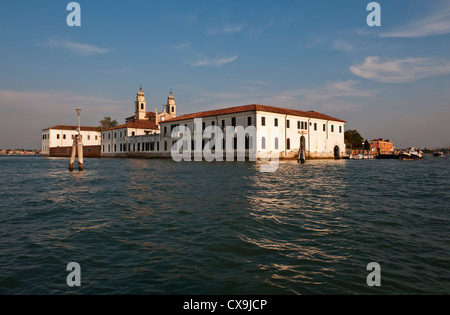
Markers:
279,131
57,141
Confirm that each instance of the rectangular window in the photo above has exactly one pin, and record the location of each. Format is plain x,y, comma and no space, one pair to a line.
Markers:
57,136
275,122
223,123
203,125
288,124
96,137
115,135
263,121
332,128
64,137
315,126
324,127
89,137
109,136
133,133
233,121
298,125
213,123
249,121
340,129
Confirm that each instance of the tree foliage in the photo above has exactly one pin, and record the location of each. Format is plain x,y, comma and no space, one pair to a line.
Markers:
107,123
353,140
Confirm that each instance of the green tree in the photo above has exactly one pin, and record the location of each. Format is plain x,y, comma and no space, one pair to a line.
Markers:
107,123
367,145
353,139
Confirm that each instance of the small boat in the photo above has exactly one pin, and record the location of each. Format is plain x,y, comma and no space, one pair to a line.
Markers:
411,154
438,154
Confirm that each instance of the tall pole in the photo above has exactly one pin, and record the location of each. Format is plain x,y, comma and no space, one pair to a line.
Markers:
80,143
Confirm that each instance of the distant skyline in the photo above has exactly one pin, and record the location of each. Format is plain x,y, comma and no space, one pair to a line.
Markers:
388,82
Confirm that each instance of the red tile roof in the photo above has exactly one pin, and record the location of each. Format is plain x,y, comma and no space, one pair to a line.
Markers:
74,128
139,124
255,107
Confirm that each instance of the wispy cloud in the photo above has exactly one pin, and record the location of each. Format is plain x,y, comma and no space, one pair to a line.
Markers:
335,96
74,47
435,24
400,70
182,46
225,29
332,97
26,113
211,62
342,45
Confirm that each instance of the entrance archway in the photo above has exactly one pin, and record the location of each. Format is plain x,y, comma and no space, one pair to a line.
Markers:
337,154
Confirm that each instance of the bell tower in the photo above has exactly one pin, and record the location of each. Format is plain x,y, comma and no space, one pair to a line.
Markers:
171,108
141,105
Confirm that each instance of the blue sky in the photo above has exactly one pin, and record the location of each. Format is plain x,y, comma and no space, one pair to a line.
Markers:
390,81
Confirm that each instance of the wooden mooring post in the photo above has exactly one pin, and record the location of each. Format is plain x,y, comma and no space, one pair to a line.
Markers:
77,148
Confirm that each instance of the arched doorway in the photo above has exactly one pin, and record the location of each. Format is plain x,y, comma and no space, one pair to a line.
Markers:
337,154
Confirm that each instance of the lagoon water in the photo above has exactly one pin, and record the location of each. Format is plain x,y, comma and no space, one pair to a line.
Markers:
140,226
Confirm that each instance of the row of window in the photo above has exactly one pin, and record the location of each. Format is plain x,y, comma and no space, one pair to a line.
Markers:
276,146
301,125
121,135
136,147
58,136
154,146
213,123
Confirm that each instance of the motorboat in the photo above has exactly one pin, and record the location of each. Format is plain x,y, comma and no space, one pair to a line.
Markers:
438,154
411,154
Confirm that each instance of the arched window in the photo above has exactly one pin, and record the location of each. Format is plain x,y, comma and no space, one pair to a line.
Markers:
276,143
142,106
173,109
165,145
263,143
288,144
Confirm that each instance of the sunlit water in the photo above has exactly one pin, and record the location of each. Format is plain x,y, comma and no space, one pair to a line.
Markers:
161,227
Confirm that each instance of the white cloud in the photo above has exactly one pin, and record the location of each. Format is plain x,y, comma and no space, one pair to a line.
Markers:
332,97
436,24
77,48
228,28
342,46
400,70
211,62
233,28
181,46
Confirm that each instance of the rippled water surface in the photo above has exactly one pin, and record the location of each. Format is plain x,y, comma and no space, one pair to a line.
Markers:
161,227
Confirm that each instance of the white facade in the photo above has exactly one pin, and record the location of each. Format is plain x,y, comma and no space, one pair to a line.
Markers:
63,136
126,140
282,133
271,130
274,132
